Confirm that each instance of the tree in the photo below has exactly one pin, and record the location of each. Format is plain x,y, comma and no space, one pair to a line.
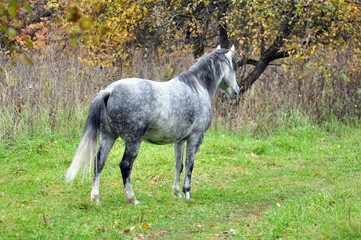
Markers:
273,30
263,30
25,26
283,28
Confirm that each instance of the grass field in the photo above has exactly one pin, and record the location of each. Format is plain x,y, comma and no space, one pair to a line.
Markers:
300,181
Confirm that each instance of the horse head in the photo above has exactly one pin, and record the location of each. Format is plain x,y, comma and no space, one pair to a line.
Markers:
229,81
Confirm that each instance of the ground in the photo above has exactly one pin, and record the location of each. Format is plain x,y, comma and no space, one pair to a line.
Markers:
295,182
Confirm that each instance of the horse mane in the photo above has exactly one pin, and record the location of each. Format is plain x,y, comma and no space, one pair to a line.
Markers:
206,69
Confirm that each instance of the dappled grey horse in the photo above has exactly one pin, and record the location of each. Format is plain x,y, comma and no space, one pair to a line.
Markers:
176,111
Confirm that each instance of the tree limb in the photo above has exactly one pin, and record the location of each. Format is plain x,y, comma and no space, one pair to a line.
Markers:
254,62
271,53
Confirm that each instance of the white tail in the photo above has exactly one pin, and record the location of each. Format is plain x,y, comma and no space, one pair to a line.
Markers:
88,144
83,156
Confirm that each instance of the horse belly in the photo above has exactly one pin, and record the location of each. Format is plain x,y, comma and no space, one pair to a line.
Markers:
161,137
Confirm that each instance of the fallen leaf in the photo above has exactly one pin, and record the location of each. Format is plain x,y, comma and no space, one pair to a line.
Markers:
213,226
145,226
129,229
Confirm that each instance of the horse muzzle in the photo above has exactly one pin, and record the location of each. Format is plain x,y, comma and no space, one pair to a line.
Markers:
234,93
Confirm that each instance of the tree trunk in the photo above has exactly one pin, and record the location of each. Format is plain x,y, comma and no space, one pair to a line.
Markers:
222,25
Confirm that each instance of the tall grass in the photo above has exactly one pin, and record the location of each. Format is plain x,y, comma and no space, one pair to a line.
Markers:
45,94
51,93
324,88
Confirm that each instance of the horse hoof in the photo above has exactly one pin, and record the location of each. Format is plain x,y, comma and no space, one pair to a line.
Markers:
188,196
176,191
95,199
133,201
177,194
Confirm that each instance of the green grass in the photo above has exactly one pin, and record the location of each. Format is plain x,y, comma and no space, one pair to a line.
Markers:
300,181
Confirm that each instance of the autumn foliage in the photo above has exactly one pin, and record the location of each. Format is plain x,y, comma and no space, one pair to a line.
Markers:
310,50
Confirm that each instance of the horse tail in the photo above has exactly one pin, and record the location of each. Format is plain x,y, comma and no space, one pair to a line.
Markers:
87,147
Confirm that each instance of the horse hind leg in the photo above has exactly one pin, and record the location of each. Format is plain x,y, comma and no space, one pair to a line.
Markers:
178,152
193,144
126,165
106,144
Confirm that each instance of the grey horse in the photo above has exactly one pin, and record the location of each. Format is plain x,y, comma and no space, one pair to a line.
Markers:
176,111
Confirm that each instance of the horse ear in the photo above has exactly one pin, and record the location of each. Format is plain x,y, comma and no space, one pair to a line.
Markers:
218,47
231,51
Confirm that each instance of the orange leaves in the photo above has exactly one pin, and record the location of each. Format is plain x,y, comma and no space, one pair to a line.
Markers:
26,24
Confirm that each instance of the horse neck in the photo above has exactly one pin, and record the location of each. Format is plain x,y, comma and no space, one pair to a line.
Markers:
208,75
210,81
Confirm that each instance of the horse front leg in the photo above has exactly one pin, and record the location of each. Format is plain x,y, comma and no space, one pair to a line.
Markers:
126,165
178,153
106,143
193,144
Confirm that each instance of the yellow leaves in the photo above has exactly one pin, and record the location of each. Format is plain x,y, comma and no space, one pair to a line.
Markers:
115,25
86,24
300,57
145,11
124,56
74,14
112,27
145,226
103,30
99,6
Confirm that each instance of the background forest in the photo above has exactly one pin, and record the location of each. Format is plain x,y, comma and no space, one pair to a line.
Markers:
299,56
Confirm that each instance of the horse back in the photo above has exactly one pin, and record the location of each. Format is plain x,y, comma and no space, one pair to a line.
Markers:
161,112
